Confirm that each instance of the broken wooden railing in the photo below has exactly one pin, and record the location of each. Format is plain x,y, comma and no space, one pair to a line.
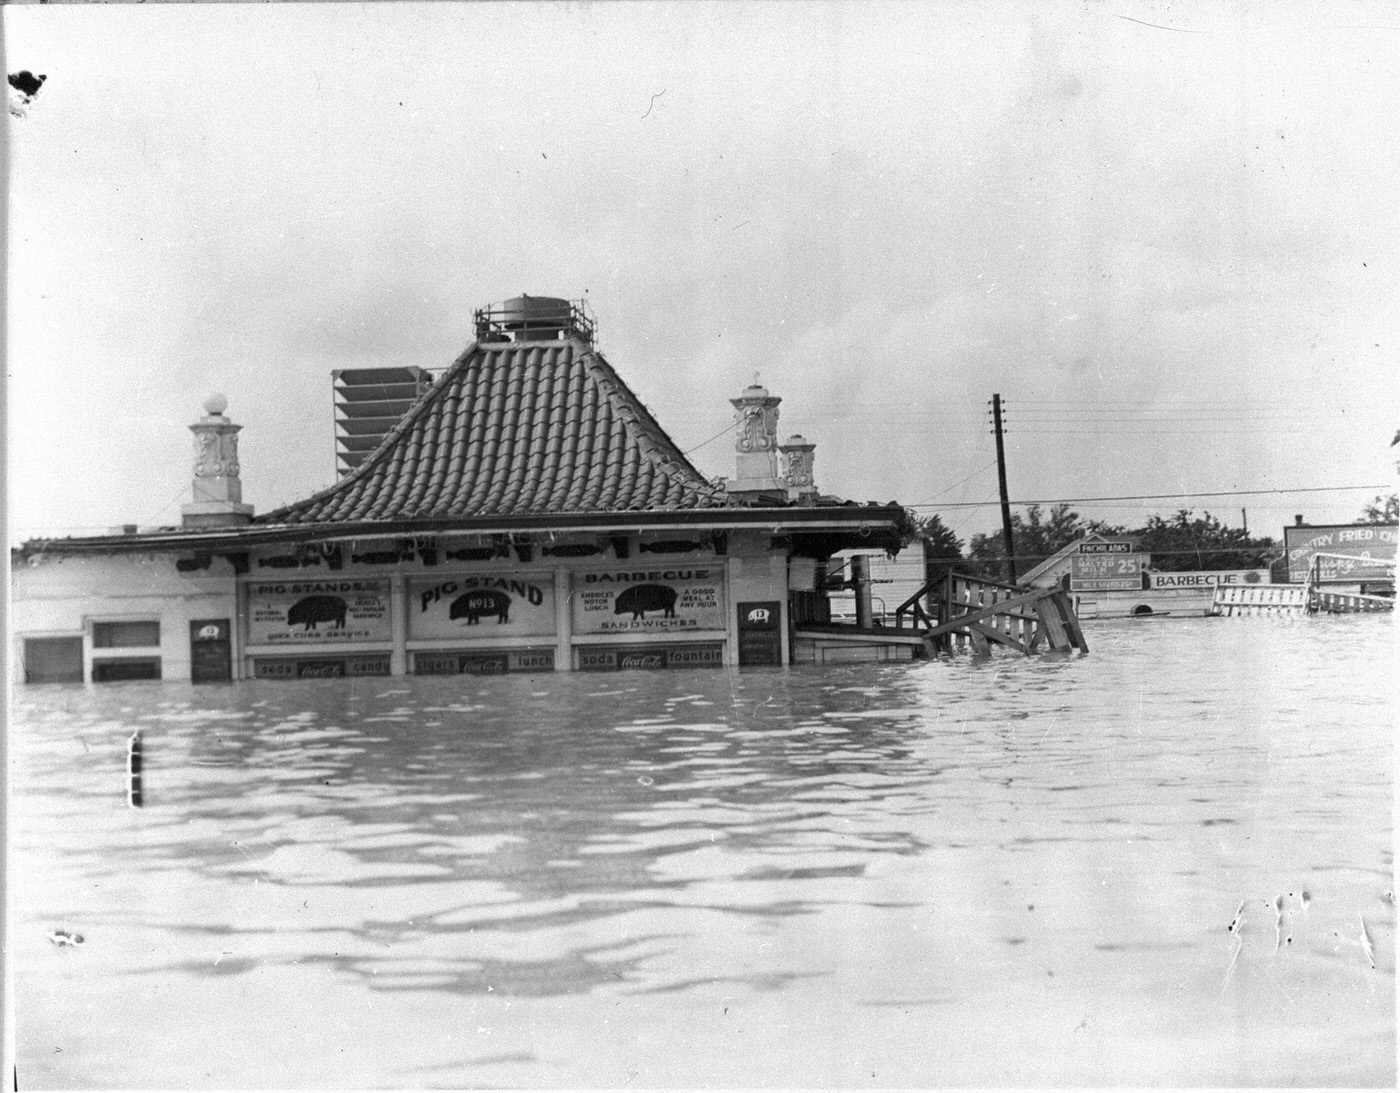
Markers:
977,613
1312,597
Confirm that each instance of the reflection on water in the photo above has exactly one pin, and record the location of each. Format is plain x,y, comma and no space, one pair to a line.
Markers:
1167,862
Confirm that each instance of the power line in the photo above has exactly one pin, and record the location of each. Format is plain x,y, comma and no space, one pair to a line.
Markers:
1154,496
712,439
956,484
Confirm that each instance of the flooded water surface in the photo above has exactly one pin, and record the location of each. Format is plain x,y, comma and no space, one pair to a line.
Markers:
1168,862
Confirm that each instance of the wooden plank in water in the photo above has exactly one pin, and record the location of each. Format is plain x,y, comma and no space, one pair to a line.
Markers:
980,645
1002,638
1053,624
1071,621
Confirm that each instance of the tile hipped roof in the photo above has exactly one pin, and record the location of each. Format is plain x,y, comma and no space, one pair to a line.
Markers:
515,437
535,428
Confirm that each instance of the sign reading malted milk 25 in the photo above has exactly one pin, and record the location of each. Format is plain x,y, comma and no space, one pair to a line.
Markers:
328,612
1104,571
480,606
648,600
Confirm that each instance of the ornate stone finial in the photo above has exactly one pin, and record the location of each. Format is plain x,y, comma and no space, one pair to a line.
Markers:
756,415
218,491
756,441
799,456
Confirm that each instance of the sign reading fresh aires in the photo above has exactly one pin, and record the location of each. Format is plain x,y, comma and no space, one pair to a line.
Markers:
485,606
648,601
1105,565
329,612
1350,552
1220,578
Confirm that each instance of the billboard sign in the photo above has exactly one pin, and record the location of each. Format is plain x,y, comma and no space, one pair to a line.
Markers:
648,600
488,606
1100,570
1106,546
1367,552
325,612
1208,580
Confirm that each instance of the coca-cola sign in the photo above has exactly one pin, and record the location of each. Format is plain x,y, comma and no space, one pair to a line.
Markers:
453,662
651,657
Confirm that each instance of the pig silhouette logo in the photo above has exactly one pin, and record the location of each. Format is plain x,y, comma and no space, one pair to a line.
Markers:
477,604
641,598
760,616
208,633
309,611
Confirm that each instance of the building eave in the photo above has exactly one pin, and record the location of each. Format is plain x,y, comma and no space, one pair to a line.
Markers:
874,525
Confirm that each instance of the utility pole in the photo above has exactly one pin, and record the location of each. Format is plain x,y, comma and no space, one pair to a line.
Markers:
1001,481
1244,516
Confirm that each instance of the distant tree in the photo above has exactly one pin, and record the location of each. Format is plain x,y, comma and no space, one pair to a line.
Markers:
1383,510
943,551
939,542
1186,543
1035,537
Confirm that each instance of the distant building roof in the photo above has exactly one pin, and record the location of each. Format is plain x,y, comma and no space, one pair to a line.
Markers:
1054,565
532,428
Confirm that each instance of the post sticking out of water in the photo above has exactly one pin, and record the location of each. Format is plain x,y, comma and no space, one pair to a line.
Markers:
860,581
133,770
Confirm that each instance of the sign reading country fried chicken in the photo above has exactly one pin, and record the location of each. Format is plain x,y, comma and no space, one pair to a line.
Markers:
648,600
484,606
328,612
1341,552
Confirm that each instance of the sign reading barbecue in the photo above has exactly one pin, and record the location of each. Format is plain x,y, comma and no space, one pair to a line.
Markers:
648,600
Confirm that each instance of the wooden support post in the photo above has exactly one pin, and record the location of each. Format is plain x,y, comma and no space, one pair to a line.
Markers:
1071,621
1054,626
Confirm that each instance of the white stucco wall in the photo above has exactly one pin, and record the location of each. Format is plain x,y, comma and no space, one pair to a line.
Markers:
54,596
64,596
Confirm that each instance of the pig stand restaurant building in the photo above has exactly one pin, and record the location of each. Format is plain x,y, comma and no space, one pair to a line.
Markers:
526,514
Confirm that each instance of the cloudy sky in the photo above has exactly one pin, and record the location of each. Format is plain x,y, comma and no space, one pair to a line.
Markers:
1167,234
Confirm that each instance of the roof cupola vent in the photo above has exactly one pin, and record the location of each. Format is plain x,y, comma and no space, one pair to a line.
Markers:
534,319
